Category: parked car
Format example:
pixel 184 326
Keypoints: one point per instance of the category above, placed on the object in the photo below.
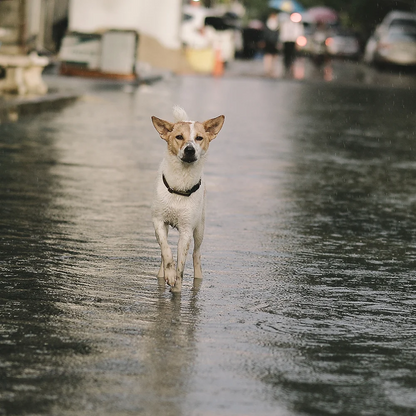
pixel 202 29
pixel 252 37
pixel 394 41
pixel 319 53
pixel 343 43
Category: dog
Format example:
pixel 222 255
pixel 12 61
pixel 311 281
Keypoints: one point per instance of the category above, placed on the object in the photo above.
pixel 179 200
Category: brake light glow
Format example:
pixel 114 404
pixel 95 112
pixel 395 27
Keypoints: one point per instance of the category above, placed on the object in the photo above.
pixel 301 41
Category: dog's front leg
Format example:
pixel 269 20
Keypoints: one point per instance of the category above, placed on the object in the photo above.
pixel 185 237
pixel 168 265
pixel 198 237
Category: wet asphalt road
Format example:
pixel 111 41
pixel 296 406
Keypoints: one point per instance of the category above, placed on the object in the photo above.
pixel 308 302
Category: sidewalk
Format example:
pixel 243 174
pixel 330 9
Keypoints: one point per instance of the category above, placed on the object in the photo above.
pixel 62 90
pixel 13 106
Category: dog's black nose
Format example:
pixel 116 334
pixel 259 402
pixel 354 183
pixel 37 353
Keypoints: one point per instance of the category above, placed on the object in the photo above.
pixel 189 150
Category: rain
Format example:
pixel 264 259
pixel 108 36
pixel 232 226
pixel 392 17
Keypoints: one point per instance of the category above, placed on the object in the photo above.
pixel 306 306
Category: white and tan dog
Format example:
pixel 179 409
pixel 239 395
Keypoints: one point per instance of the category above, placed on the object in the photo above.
pixel 180 191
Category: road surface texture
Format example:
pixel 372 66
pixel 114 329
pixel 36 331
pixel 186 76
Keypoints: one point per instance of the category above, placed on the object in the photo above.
pixel 309 297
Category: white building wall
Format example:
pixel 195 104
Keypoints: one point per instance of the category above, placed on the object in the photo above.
pixel 160 19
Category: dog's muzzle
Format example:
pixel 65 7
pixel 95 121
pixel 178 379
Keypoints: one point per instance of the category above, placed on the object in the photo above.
pixel 189 154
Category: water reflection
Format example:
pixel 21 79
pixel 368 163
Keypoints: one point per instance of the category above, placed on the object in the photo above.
pixel 336 71
pixel 307 306
pixel 304 69
pixel 32 338
pixel 170 352
pixel 342 342
pixel 85 325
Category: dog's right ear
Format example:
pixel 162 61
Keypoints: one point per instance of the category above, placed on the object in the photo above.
pixel 163 127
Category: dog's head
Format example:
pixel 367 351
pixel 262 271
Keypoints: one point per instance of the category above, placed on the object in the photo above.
pixel 188 140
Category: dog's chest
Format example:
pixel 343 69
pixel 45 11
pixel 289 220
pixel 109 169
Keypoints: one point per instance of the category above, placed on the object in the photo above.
pixel 177 210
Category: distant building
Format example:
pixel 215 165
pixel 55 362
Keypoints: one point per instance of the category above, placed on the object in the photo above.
pixel 27 25
pixel 156 22
pixel 40 25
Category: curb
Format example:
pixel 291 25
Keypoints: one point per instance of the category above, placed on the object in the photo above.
pixel 11 110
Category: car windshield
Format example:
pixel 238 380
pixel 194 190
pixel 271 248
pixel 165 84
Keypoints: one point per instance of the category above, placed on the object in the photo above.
pixel 344 35
pixel 408 25
pixel 396 35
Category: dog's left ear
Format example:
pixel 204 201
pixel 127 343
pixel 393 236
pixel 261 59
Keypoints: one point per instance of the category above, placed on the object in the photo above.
pixel 163 127
pixel 213 126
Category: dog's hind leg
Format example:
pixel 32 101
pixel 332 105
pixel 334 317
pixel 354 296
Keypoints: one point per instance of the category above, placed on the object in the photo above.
pixel 198 237
pixel 167 268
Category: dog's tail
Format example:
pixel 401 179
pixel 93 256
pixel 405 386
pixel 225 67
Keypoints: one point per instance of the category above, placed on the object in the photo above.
pixel 180 114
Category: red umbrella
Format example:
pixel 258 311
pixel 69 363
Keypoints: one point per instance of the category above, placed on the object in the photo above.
pixel 321 14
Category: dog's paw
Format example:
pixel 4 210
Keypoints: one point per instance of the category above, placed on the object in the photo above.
pixel 178 286
pixel 170 277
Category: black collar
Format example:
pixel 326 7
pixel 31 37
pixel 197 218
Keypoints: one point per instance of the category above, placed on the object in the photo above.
pixel 189 192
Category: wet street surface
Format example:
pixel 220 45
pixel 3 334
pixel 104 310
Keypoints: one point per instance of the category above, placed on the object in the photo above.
pixel 308 301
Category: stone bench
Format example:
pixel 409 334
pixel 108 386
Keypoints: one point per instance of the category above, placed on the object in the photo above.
pixel 23 74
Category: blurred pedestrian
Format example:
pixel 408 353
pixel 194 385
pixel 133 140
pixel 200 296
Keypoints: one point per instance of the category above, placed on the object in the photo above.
pixel 319 37
pixel 270 42
pixel 291 28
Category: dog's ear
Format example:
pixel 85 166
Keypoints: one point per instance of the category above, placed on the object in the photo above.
pixel 213 126
pixel 163 127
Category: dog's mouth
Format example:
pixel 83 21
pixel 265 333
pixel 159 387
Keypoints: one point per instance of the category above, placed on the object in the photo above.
pixel 189 159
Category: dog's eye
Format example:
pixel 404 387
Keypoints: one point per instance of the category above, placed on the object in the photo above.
pixel 199 138
pixel 179 137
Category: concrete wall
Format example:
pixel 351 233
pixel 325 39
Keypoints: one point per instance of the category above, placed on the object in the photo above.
pixel 157 55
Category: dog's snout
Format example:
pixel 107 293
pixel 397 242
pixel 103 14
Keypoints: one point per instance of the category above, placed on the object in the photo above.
pixel 189 150
pixel 189 153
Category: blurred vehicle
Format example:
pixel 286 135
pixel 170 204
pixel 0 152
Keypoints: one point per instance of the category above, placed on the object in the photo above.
pixel 232 21
pixel 319 51
pixel 252 37
pixel 192 30
pixel 304 42
pixel 343 43
pixel 202 29
pixel 394 41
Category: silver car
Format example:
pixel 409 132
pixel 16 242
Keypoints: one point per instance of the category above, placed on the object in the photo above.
pixel 343 44
pixel 394 41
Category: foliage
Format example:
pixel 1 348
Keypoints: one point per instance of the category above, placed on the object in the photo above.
pixel 256 9
pixel 363 15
